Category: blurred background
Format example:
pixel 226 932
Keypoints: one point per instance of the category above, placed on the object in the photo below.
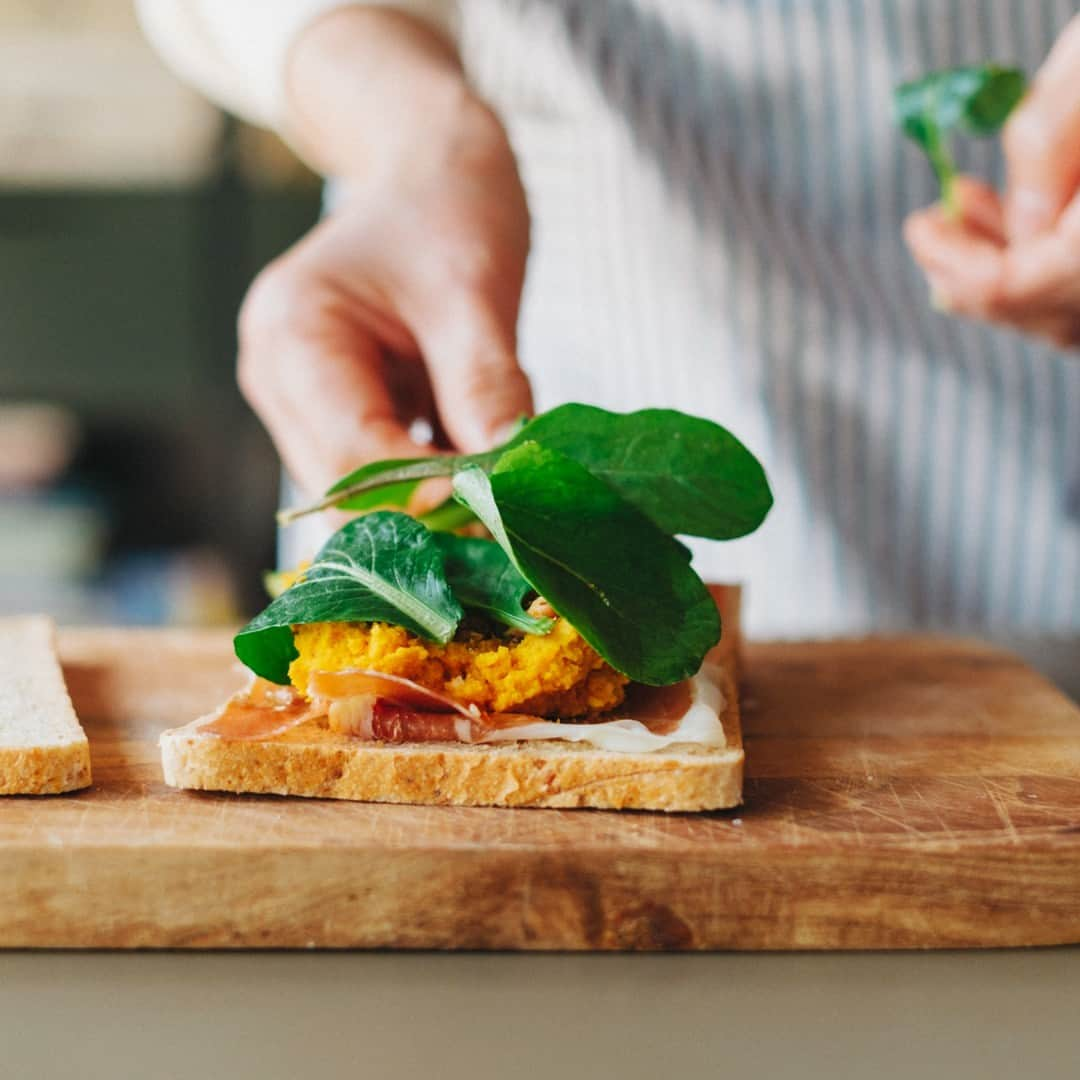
pixel 135 485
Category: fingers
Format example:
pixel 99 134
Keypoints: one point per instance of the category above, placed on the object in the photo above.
pixel 316 379
pixel 980 216
pixel 1062 330
pixel 480 389
pixel 961 264
pixel 1018 262
pixel 1042 142
pixel 429 494
pixel 980 208
pixel 1034 287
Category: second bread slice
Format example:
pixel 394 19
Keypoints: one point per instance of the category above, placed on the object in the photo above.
pixel 43 749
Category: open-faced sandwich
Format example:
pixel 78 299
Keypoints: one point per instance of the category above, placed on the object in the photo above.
pixel 570 657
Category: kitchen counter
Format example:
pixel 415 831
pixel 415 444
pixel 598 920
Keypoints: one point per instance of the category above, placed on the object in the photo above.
pixel 385 1016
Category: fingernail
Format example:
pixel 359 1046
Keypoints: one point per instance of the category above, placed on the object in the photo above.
pixel 1029 214
pixel 505 432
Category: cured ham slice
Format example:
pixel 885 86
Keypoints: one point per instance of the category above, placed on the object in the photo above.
pixel 360 682
pixel 369 705
pixel 383 708
pixel 392 723
pixel 261 711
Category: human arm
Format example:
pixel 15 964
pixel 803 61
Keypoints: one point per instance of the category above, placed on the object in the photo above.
pixel 403 303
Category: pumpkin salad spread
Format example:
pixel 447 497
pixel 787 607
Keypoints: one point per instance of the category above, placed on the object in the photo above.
pixel 554 674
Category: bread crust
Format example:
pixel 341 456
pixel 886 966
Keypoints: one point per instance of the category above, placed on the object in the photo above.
pixel 314 762
pixel 44 770
pixel 47 752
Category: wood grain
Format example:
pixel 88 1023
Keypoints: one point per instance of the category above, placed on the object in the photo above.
pixel 901 793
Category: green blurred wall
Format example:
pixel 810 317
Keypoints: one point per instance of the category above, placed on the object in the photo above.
pixel 123 306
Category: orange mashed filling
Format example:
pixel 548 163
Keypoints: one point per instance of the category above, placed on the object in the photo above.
pixel 557 674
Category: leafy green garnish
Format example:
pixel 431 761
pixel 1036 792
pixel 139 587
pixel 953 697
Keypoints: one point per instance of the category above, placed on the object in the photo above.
pixel 585 507
pixel 687 474
pixel 364 488
pixel 973 100
pixel 484 579
pixel 382 567
pixel 624 584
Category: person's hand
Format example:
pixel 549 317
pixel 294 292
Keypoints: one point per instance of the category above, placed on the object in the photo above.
pixel 1016 260
pixel 402 305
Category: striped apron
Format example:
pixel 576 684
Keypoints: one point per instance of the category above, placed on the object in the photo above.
pixel 718 191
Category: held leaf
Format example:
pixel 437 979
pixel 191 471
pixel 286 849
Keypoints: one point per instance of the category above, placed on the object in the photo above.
pixel 688 475
pixel 384 482
pixel 623 584
pixel 391 482
pixel 382 567
pixel 483 578
pixel 975 100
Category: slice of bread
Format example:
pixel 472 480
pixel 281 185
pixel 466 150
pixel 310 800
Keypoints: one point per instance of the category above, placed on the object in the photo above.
pixel 43 750
pixel 312 760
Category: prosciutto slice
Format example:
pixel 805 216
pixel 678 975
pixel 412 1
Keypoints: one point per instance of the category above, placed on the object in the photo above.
pixel 391 723
pixel 383 708
pixel 361 682
pixel 260 712
pixel 388 708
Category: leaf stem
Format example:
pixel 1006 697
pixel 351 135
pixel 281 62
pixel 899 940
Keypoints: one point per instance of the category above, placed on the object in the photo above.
pixel 295 513
pixel 945 169
pixel 421 469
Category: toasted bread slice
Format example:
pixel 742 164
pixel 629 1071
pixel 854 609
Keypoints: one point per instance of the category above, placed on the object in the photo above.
pixel 43 750
pixel 312 760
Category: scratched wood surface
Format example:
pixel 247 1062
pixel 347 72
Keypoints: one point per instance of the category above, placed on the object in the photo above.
pixel 901 793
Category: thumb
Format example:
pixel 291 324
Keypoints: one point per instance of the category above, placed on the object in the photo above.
pixel 480 389
pixel 1042 142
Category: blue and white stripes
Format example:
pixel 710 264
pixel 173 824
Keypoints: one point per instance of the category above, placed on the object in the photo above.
pixel 718 194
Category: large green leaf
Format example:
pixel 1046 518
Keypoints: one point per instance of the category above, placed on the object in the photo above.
pixel 382 567
pixel 688 475
pixel 483 578
pixel 623 583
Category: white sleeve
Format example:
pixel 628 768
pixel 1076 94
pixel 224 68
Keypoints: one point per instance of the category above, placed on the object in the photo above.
pixel 235 51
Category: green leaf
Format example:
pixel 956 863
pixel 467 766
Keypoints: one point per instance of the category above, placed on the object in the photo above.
pixel 688 475
pixel 381 482
pixel 382 567
pixel 974 100
pixel 600 562
pixel 483 578
pixel 391 482
pixel 382 497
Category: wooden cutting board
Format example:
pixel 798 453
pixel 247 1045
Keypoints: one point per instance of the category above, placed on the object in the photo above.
pixel 901 793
